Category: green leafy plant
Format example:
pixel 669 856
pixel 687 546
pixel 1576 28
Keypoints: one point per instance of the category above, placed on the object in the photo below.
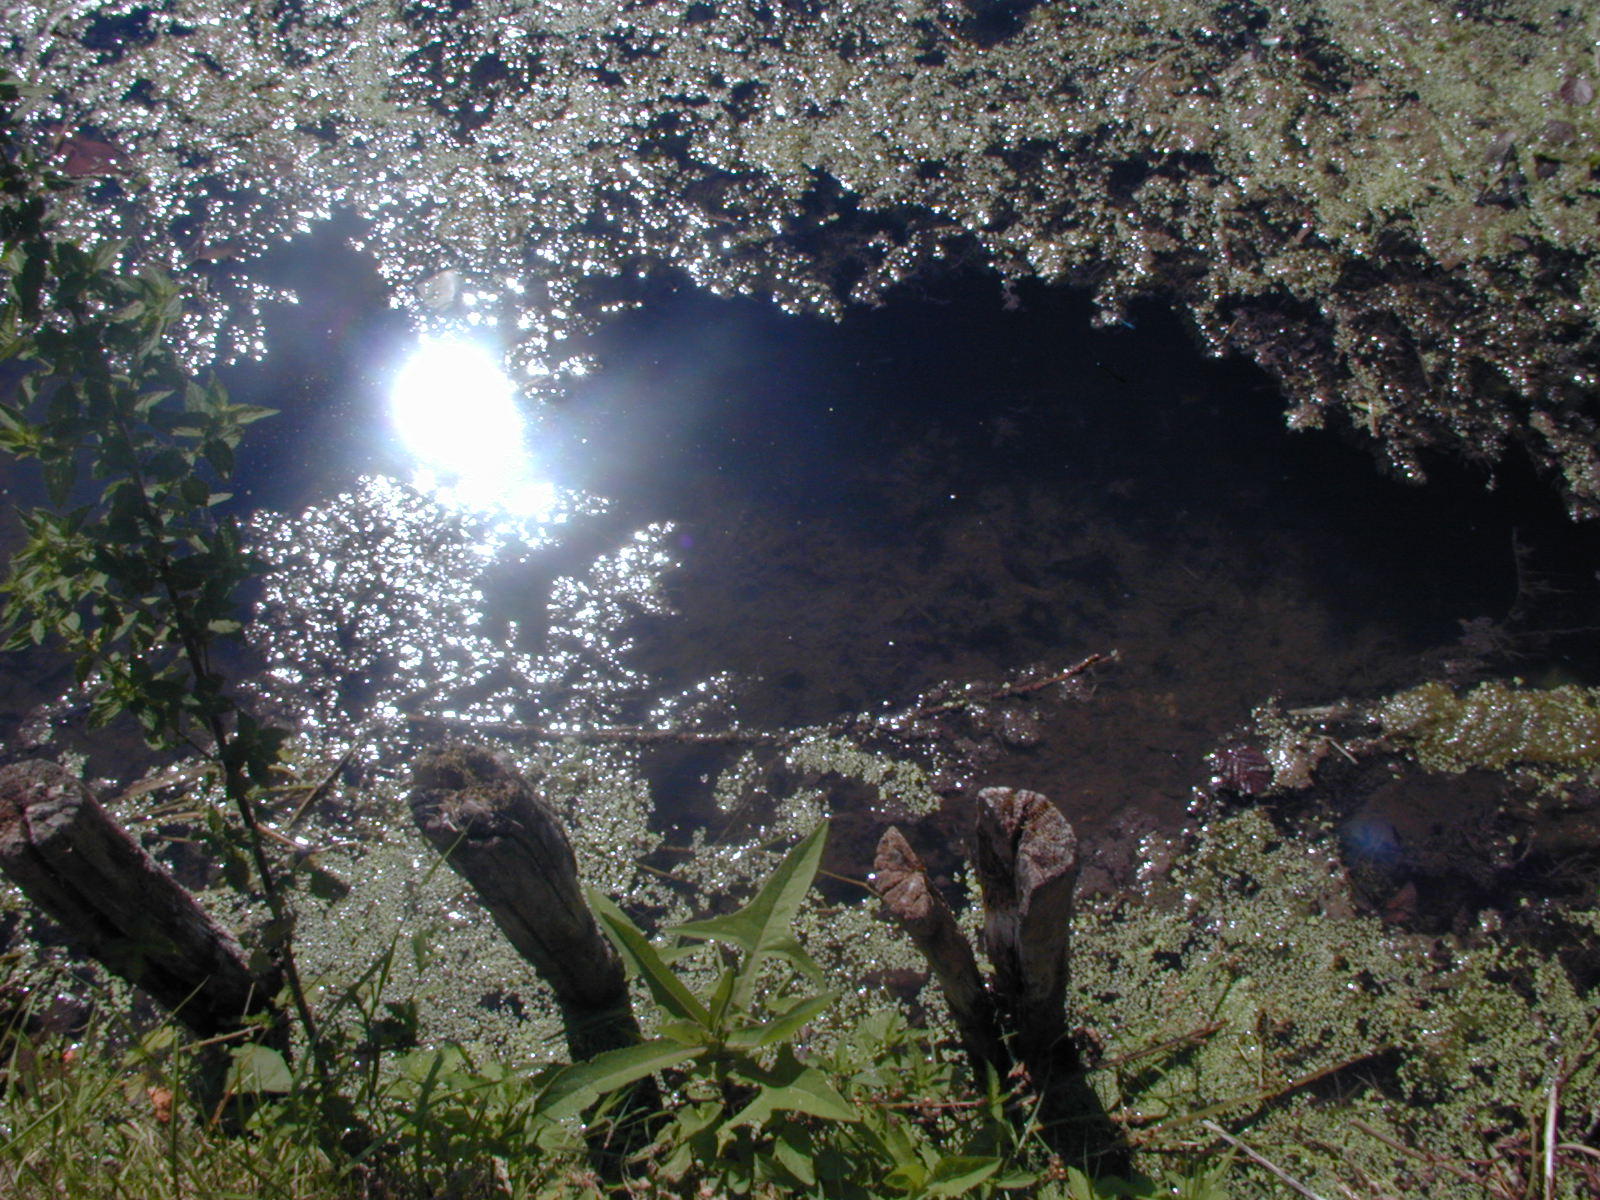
pixel 134 569
pixel 739 1105
pixel 750 1112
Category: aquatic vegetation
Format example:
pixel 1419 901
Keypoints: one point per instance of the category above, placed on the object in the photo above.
pixel 1280 1011
pixel 470 988
pixel 752 1110
pixel 1389 207
pixel 1493 725
pixel 1242 986
pixel 1545 740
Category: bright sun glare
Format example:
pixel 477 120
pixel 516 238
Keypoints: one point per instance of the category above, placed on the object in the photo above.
pixel 455 411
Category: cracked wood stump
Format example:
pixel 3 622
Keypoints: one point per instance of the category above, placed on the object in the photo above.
pixel 902 882
pixel 503 839
pixel 120 906
pixel 1027 867
pixel 1026 860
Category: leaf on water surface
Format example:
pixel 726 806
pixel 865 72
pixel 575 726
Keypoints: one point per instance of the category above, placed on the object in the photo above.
pixel 259 1069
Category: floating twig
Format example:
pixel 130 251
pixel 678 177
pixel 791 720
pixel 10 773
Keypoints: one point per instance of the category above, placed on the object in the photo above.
pixel 892 725
pixel 1261 1160
pixel 1257 1099
pixel 320 790
pixel 176 778
pixel 1432 1160
pixel 1008 691
pixel 1199 1034
pixel 610 734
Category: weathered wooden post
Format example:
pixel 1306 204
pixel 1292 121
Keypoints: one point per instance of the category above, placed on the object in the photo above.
pixel 1027 866
pixel 495 831
pixel 504 840
pixel 902 882
pixel 121 907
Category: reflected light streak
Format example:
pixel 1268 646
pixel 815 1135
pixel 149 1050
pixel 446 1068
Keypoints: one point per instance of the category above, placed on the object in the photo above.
pixel 455 412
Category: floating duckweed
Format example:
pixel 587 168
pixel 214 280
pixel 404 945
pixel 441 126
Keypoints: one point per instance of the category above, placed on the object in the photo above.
pixel 1262 996
pixel 1544 740
pixel 604 799
pixel 1494 725
pixel 1388 206
pixel 1284 1008
pixel 471 987
pixel 902 785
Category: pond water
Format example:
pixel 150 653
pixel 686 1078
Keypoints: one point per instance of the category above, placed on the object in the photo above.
pixel 962 486
pixel 728 570
pixel 747 520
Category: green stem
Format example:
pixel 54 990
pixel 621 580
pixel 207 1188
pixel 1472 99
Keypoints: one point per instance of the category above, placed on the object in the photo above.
pixel 193 640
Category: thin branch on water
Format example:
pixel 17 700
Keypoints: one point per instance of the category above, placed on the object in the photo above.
pixel 1432 1160
pixel 1263 1097
pixel 1199 1034
pixel 321 789
pixel 1261 1160
pixel 894 724
pixel 1010 690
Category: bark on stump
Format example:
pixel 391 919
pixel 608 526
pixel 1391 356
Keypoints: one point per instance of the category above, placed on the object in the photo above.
pixel 504 840
pixel 120 906
pixel 1026 861
pixel 902 882
pixel 1027 867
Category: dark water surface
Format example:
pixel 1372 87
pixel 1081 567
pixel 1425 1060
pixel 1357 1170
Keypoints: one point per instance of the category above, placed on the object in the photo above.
pixel 957 487
pixel 960 485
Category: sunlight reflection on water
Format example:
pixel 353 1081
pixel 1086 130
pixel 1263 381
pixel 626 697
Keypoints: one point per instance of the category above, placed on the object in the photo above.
pixel 455 412
pixel 373 613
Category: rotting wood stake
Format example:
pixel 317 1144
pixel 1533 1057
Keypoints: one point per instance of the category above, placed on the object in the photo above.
pixel 120 906
pixel 900 879
pixel 1026 862
pixel 495 831
pixel 1027 867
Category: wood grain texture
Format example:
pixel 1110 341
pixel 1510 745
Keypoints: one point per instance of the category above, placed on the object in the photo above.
pixel 1027 867
pixel 121 907
pixel 499 835
pixel 902 883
